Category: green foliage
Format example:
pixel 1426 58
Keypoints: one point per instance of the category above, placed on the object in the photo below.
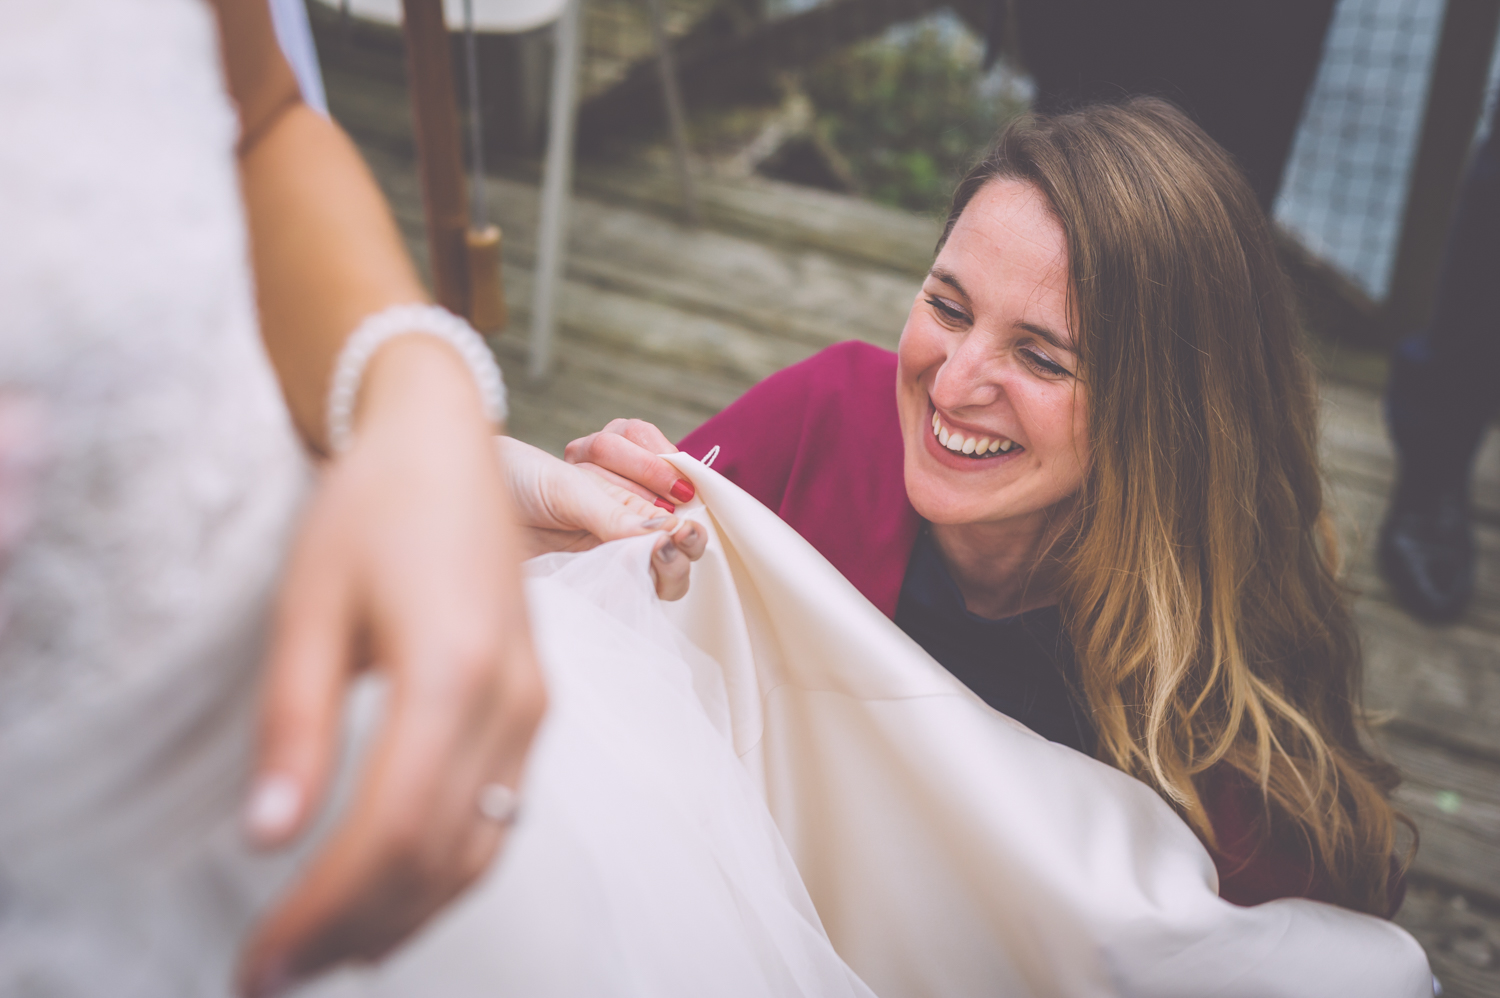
pixel 909 112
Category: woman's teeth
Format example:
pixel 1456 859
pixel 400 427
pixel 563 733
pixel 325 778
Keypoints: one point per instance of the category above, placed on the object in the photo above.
pixel 972 446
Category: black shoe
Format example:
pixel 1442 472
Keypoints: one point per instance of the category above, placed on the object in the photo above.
pixel 1427 552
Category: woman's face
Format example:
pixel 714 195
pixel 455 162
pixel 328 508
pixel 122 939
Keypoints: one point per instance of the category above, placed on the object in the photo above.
pixel 992 417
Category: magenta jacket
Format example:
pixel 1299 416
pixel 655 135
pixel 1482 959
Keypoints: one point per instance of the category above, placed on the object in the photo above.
pixel 820 444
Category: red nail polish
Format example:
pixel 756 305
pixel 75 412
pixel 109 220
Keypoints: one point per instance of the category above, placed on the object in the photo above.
pixel 666 505
pixel 682 490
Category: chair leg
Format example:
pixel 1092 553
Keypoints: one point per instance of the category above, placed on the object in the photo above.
pixel 556 186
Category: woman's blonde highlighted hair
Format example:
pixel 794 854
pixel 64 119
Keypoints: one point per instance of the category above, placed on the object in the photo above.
pixel 1209 627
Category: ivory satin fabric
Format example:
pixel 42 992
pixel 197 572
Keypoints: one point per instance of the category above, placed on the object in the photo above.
pixel 768 789
pixel 949 850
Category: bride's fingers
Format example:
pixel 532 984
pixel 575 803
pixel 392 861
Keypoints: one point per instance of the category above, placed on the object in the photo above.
pixel 306 672
pixel 691 539
pixel 672 560
pixel 671 569
pixel 416 832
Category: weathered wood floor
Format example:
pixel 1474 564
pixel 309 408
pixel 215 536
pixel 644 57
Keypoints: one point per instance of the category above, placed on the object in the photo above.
pixel 670 324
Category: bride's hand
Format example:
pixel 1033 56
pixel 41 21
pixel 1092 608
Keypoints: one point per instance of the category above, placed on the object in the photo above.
pixel 624 454
pixel 407 562
pixel 561 508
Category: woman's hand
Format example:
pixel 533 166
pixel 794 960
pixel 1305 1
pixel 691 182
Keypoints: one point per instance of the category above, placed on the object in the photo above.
pixel 407 562
pixel 624 454
pixel 562 508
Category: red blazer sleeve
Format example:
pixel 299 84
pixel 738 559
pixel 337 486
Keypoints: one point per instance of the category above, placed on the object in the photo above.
pixel 820 444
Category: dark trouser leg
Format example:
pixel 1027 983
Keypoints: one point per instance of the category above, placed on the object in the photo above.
pixel 1445 381
pixel 1444 387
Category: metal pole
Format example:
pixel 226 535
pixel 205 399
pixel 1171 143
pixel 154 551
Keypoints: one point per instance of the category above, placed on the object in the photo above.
pixel 556 184
pixel 675 116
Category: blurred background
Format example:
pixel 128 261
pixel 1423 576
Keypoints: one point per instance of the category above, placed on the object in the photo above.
pixel 798 201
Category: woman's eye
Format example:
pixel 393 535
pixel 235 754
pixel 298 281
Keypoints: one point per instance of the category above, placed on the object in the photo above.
pixel 950 313
pixel 1046 367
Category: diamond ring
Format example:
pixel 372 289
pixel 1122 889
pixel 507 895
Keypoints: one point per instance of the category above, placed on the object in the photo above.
pixel 499 803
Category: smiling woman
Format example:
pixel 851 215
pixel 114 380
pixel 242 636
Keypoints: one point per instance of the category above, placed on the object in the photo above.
pixel 992 416
pixel 1093 494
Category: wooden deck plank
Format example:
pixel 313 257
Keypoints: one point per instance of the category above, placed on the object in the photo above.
pixel 668 334
pixel 790 302
pixel 1447 687
pixel 1455 800
pixel 699 394
pixel 589 388
pixel 1461 940
pixel 783 214
pixel 788 291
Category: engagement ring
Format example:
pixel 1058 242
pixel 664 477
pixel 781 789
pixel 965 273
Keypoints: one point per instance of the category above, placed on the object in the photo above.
pixel 499 803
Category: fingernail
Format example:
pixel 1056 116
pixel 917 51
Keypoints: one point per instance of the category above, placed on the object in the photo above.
pixel 273 807
pixel 667 552
pixel 664 505
pixel 690 534
pixel 682 490
pixel 656 522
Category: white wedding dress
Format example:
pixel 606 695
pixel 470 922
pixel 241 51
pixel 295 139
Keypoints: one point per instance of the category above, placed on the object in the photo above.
pixel 166 482
pixel 762 790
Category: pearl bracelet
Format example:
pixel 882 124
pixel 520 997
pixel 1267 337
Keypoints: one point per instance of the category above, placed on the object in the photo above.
pixel 398 320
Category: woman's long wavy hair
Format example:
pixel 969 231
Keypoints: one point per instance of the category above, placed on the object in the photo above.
pixel 1209 626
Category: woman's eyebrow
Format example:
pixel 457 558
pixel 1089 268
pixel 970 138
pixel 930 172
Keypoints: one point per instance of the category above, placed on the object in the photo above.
pixel 1040 332
pixel 1043 333
pixel 949 278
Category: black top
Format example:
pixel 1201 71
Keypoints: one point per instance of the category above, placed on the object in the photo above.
pixel 1022 665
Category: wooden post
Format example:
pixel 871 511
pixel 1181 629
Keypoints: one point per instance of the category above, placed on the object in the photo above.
pixel 1454 100
pixel 429 72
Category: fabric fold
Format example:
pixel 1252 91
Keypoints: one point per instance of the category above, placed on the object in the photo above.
pixel 949 850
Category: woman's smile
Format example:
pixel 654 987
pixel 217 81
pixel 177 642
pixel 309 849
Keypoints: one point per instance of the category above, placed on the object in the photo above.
pixel 966 448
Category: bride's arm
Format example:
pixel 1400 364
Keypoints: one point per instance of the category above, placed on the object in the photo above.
pixel 326 250
pixel 407 557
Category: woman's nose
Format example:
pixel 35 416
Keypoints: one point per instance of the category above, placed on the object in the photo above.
pixel 969 376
